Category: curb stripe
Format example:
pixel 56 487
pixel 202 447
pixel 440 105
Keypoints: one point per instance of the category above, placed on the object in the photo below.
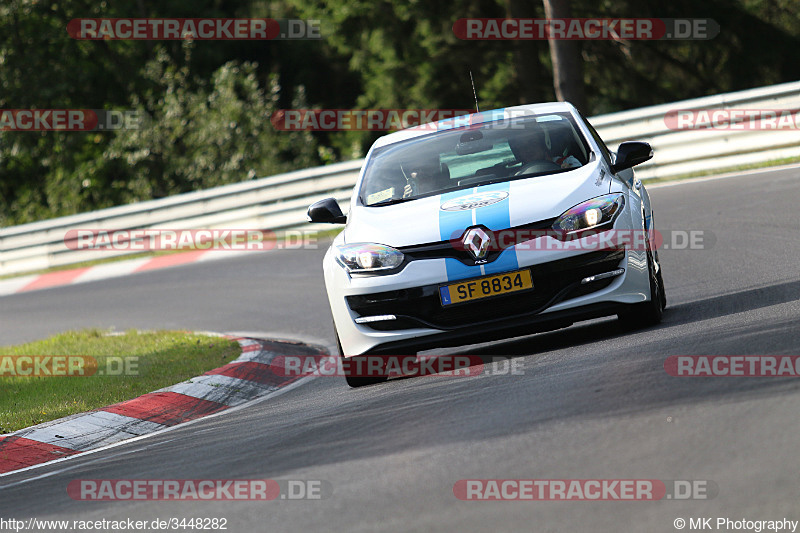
pixel 89 430
pixel 253 371
pixel 116 269
pixel 164 261
pixel 19 452
pixel 247 378
pixel 220 389
pixel 167 408
pixel 54 279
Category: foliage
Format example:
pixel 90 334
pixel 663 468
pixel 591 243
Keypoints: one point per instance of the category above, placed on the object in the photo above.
pixel 205 106
pixel 195 139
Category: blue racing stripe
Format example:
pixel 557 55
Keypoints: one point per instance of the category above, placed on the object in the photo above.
pixel 495 217
pixel 451 225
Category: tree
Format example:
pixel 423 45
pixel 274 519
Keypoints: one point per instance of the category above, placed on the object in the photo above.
pixel 217 133
pixel 209 112
pixel 566 57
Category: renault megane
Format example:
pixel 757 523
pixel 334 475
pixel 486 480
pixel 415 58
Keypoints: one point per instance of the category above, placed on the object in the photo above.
pixel 487 226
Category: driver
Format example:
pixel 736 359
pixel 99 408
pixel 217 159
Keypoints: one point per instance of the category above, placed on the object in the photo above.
pixel 559 140
pixel 531 148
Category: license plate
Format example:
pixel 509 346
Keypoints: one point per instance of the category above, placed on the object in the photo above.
pixel 519 280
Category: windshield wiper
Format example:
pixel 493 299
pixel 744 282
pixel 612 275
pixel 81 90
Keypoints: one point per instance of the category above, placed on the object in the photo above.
pixel 392 201
pixel 540 173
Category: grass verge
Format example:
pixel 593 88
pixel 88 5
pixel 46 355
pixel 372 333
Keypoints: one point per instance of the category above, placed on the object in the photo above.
pixel 132 363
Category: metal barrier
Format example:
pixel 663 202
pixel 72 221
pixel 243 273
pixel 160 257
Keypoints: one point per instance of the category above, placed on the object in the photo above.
pixel 280 202
pixel 690 151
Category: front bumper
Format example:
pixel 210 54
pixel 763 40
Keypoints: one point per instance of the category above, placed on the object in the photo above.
pixel 553 282
pixel 558 299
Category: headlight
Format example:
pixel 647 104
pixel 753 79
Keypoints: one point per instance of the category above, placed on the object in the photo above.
pixel 365 257
pixel 599 211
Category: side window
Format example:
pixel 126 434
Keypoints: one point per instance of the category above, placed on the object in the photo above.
pixel 599 141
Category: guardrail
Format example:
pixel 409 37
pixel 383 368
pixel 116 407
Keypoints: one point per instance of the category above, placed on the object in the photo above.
pixel 680 152
pixel 280 202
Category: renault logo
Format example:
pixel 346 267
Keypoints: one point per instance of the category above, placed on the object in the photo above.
pixel 477 241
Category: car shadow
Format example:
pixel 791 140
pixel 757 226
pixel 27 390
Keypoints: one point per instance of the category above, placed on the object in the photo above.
pixel 609 328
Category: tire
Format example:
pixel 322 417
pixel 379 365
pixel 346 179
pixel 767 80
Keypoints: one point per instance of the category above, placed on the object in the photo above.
pixel 356 381
pixel 661 284
pixel 651 312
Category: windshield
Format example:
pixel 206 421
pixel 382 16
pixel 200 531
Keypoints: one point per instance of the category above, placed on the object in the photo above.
pixel 470 157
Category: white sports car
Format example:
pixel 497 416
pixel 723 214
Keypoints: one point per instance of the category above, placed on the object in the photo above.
pixel 492 225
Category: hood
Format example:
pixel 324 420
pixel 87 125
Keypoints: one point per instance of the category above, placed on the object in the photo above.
pixel 497 206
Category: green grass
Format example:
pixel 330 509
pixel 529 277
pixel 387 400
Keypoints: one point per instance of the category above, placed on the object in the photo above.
pixel 162 358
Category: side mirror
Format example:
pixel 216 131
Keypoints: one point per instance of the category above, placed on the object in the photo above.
pixel 630 154
pixel 327 211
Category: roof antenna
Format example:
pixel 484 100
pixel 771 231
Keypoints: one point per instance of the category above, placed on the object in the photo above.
pixel 473 92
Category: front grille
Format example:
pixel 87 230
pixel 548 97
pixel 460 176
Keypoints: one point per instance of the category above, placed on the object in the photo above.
pixel 455 249
pixel 552 282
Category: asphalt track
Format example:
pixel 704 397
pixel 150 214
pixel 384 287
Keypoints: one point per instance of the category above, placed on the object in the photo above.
pixel 594 401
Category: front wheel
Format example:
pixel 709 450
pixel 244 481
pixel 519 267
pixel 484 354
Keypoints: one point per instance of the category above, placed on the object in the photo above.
pixel 648 313
pixel 356 381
